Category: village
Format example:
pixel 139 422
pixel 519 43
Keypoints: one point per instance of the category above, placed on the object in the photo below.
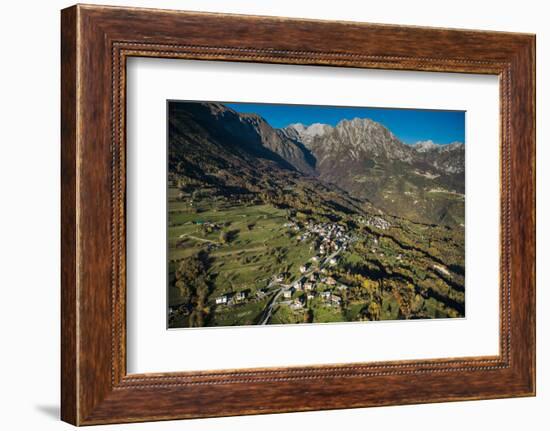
pixel 314 282
pixel 311 272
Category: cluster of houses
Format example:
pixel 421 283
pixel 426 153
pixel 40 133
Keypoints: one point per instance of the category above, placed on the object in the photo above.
pixel 208 226
pixel 292 225
pixel 310 286
pixel 280 277
pixel 332 236
pixel 327 296
pixel 375 221
pixel 232 298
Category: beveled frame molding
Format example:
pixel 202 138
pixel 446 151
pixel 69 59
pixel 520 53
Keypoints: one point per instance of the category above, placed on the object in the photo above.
pixel 96 41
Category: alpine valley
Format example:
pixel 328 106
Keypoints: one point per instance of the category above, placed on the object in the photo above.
pixel 309 224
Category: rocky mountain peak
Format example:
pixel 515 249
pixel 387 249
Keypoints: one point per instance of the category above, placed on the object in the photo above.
pixel 298 127
pixel 306 134
pixel 363 138
pixel 241 133
pixel 449 158
pixel 424 146
pixel 431 146
pixel 453 146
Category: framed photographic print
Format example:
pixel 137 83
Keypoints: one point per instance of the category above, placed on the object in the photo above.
pixel 274 222
pixel 269 215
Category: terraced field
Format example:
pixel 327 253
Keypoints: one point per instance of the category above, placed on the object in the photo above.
pixel 399 270
pixel 258 247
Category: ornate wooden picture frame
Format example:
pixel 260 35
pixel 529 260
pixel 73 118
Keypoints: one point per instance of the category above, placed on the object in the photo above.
pixel 96 41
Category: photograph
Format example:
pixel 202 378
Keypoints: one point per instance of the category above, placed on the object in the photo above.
pixel 295 214
pixel 275 215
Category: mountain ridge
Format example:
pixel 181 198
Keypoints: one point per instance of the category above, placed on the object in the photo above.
pixel 359 155
pixel 421 182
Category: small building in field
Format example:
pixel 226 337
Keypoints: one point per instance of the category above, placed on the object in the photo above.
pixel 287 293
pixel 308 286
pixel 240 296
pixel 331 281
pixel 221 300
pixel 326 295
pixel 296 304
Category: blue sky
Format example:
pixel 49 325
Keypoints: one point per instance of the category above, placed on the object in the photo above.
pixel 409 125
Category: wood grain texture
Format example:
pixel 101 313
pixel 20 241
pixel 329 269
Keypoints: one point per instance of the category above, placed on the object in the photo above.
pixel 96 41
pixel 69 397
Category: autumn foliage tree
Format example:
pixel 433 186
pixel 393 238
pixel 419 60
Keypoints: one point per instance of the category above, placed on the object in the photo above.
pixel 193 284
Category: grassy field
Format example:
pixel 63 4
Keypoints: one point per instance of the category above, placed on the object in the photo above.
pixel 385 274
pixel 243 314
pixel 285 315
pixel 259 246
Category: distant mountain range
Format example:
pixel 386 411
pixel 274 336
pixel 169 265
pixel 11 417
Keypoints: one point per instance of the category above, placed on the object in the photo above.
pixel 422 182
pixel 359 139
